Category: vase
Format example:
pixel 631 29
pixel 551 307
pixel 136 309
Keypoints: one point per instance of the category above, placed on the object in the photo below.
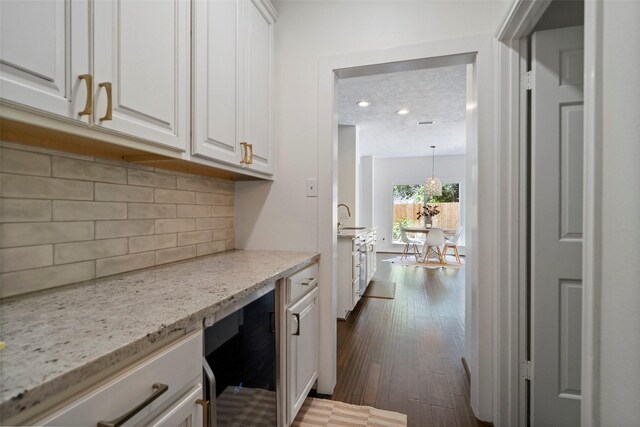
pixel 427 222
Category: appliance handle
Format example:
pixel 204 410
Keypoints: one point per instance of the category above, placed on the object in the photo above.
pixel 297 317
pixel 208 372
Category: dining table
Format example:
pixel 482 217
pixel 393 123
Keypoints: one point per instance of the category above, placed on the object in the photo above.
pixel 425 230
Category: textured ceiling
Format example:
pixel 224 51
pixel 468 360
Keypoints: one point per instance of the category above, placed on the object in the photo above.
pixel 437 94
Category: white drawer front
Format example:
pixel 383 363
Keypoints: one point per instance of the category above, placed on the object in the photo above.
pixel 175 367
pixel 301 282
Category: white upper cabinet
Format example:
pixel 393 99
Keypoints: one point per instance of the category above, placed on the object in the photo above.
pixel 232 91
pixel 159 76
pixel 258 127
pixel 216 68
pixel 141 57
pixel 42 57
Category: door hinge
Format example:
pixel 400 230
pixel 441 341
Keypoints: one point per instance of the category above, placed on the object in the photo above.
pixel 526 370
pixel 527 80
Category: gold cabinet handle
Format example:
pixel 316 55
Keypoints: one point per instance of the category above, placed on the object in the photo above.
pixel 88 106
pixel 206 413
pixel 107 115
pixel 244 160
pixel 250 161
pixel 158 388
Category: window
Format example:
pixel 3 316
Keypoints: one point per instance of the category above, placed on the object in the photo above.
pixel 409 198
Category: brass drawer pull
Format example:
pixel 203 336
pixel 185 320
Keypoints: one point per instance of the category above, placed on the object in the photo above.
pixel 108 114
pixel 310 282
pixel 158 388
pixel 250 161
pixel 244 160
pixel 88 106
pixel 206 413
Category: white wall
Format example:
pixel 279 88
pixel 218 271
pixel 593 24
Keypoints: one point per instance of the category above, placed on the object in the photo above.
pixel 347 162
pixel 275 215
pixel 620 305
pixel 278 215
pixel 365 191
pixel 409 170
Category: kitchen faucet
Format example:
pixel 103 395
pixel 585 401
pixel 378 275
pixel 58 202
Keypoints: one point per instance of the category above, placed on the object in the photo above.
pixel 348 213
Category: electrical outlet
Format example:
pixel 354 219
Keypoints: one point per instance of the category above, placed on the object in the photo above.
pixel 312 187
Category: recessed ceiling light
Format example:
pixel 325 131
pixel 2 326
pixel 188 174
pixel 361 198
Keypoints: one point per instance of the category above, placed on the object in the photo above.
pixel 403 111
pixel 426 122
pixel 363 103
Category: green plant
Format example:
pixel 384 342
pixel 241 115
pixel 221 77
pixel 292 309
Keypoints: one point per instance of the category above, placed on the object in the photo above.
pixel 398 225
pixel 450 193
pixel 408 193
pixel 428 211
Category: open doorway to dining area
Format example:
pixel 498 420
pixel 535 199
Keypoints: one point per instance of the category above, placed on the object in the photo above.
pixel 402 193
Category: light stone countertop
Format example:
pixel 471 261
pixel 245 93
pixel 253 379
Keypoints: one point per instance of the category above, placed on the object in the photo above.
pixel 350 234
pixel 61 337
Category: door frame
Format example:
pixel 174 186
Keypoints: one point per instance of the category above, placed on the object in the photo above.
pixel 517 24
pixel 482 266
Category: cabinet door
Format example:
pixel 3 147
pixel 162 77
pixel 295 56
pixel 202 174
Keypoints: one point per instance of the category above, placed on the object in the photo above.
pixel 186 412
pixel 44 47
pixel 355 292
pixel 142 49
pixel 258 128
pixel 216 91
pixel 302 351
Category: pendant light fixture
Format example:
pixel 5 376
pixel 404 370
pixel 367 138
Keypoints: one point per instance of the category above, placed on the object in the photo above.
pixel 433 186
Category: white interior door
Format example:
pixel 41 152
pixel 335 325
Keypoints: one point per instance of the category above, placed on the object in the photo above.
pixel 142 49
pixel 556 225
pixel 44 47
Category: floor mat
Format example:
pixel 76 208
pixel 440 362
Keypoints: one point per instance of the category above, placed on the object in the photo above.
pixel 432 263
pixel 381 289
pixel 322 412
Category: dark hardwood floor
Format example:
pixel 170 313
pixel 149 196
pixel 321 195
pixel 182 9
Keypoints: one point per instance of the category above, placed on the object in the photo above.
pixel 404 354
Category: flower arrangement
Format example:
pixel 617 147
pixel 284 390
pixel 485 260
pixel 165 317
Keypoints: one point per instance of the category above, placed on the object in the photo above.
pixel 428 211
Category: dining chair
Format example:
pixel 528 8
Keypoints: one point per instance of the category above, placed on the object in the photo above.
pixel 452 243
pixel 409 244
pixel 433 243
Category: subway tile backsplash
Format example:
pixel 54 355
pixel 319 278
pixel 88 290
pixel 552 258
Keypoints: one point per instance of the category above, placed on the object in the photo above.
pixel 66 218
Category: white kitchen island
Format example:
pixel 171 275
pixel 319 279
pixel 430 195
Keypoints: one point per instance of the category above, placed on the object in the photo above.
pixel 356 265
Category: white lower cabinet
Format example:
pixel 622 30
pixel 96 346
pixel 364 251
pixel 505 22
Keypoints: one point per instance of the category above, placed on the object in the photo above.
pixel 300 342
pixel 348 275
pixel 186 412
pixel 163 389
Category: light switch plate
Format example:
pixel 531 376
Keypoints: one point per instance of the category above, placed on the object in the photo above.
pixel 312 187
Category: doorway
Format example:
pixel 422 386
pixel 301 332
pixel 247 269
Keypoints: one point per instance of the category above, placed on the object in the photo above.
pixel 480 346
pixel 403 352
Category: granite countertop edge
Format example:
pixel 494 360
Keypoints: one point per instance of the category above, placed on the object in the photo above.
pixel 352 234
pixel 12 406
